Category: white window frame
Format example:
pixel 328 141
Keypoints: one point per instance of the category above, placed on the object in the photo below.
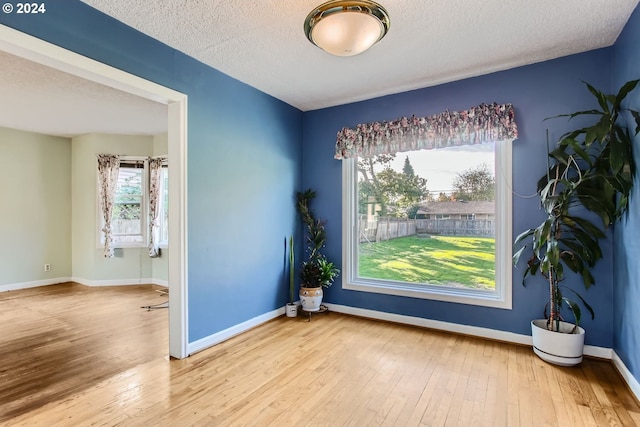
pixel 163 243
pixel 144 209
pixel 500 298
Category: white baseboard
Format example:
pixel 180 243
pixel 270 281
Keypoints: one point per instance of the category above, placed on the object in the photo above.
pixel 631 381
pixel 476 331
pixel 159 282
pixel 47 282
pixel 435 324
pixel 34 284
pixel 599 352
pixel 120 282
pixel 224 335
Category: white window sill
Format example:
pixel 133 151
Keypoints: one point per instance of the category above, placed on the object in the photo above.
pixel 431 292
pixel 124 246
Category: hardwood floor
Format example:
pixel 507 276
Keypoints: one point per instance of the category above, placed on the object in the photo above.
pixel 78 356
pixel 59 340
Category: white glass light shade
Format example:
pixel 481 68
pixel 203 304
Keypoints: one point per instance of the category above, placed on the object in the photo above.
pixel 347 33
pixel 346 28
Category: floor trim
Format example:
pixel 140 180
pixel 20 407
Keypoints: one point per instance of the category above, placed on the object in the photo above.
pixel 626 374
pixel 476 331
pixel 231 332
pixel 33 284
pixel 81 281
pixel 119 282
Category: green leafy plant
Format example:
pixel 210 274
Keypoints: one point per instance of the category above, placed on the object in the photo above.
pixel 316 271
pixel 319 272
pixel 593 172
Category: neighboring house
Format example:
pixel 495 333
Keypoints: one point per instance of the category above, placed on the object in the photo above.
pixel 474 210
pixel 459 218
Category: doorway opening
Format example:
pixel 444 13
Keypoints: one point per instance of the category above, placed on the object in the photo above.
pixel 41 52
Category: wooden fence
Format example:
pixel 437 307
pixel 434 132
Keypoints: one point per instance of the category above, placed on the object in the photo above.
pixel 457 227
pixel 392 228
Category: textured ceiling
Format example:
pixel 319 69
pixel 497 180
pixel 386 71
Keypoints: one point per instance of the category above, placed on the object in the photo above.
pixel 49 101
pixel 430 42
pixel 262 44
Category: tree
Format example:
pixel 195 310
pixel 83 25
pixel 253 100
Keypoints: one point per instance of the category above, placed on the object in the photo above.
pixel 412 211
pixel 442 197
pixel 394 192
pixel 369 186
pixel 407 169
pixel 475 184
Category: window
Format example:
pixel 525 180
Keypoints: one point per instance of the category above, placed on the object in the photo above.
pixel 128 220
pixel 130 224
pixel 397 248
pixel 163 217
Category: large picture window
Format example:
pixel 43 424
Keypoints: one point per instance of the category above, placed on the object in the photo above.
pixel 433 224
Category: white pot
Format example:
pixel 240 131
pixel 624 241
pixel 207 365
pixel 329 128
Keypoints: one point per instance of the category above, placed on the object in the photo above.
pixel 291 310
pixel 560 348
pixel 310 298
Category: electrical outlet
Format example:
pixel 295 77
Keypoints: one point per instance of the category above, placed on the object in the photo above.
pixel 47 267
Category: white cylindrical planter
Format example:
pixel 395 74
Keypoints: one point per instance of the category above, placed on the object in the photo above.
pixel 310 298
pixel 560 348
pixel 291 310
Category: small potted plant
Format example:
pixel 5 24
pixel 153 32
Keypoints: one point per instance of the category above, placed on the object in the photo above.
pixel 592 172
pixel 316 272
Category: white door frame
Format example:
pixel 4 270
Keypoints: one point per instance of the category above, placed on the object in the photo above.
pixel 42 52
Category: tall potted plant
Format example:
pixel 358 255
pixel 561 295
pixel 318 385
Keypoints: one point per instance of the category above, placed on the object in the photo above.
pixel 592 172
pixel 291 308
pixel 316 272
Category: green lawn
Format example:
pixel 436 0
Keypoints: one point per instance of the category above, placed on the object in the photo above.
pixel 437 260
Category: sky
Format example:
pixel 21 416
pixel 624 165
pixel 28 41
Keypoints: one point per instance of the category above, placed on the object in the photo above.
pixel 440 167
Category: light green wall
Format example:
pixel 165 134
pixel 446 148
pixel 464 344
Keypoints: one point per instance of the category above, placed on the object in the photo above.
pixel 35 207
pixel 160 266
pixel 160 144
pixel 88 260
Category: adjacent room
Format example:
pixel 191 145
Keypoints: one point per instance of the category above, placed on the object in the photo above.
pixel 215 214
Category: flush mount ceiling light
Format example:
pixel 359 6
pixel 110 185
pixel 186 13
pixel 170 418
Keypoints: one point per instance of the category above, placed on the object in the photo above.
pixel 346 28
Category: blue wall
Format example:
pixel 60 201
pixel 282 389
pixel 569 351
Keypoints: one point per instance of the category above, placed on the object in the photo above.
pixel 246 160
pixel 626 275
pixel 536 91
pixel 244 156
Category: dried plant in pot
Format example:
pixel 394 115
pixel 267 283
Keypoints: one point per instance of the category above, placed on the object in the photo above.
pixel 585 189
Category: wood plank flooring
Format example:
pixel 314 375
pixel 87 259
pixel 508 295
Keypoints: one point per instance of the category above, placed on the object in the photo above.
pixel 77 356
pixel 56 341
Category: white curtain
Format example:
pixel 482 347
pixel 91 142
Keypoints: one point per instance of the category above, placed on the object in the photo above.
pixel 108 168
pixel 155 167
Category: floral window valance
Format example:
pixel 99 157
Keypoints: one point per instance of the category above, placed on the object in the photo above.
pixel 477 125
